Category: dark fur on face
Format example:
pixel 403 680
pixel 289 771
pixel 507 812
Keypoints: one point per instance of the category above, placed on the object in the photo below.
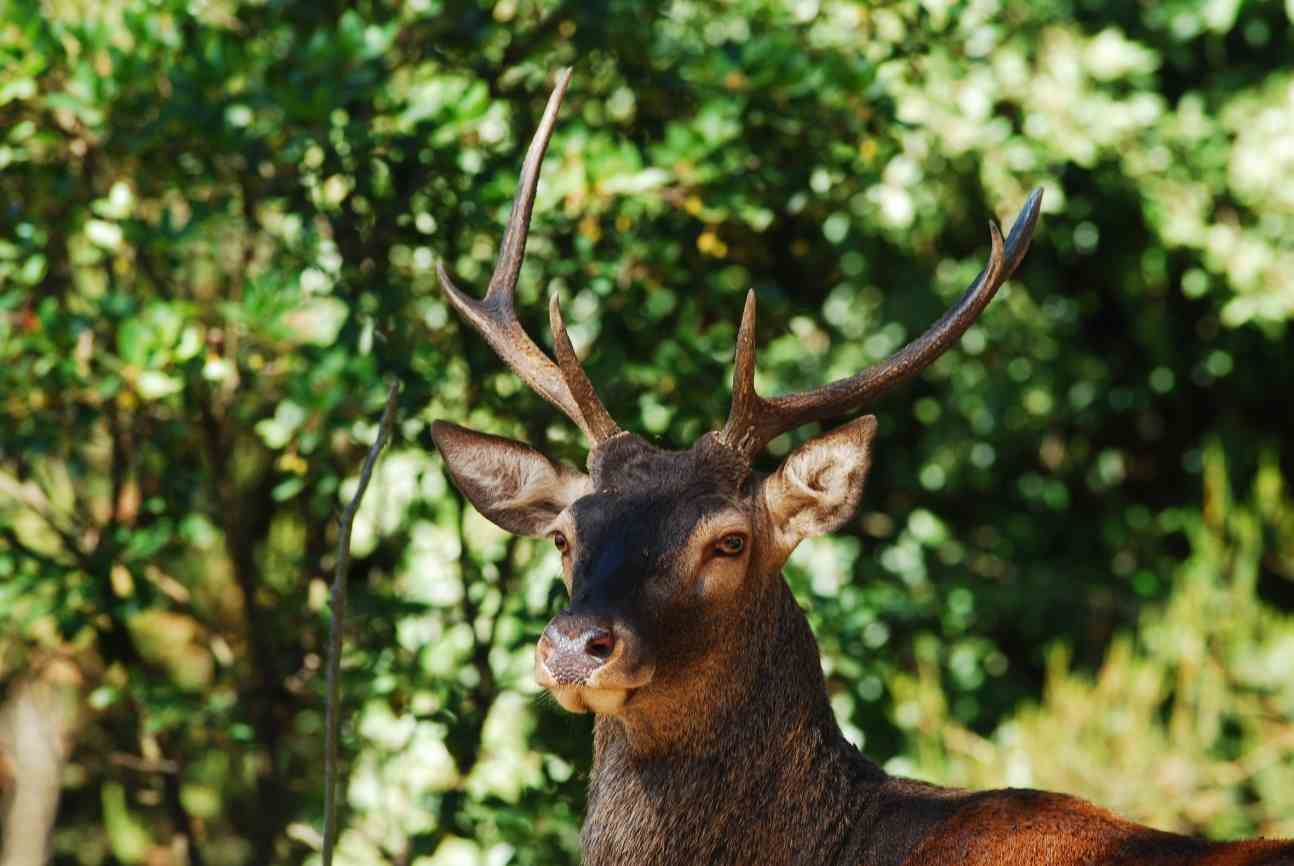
pixel 645 504
pixel 636 572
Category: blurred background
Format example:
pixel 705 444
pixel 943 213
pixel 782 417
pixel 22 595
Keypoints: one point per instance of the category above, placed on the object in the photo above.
pixel 219 219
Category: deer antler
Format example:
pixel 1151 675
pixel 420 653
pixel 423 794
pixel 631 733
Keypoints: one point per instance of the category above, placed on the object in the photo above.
pixel 754 421
pixel 495 317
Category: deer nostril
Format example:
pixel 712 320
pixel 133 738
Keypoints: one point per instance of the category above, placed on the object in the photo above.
pixel 600 644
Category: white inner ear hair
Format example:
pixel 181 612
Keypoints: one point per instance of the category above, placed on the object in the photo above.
pixel 529 483
pixel 824 473
pixel 817 489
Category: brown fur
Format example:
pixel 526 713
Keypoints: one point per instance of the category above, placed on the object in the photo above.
pixel 1005 828
pixel 730 754
pixel 760 775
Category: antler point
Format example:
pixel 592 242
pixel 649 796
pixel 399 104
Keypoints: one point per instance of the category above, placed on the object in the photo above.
pixel 452 292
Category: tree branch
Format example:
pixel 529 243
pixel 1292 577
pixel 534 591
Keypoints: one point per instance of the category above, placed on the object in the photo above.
pixel 338 622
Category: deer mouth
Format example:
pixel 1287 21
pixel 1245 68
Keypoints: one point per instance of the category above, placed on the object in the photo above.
pixel 605 692
pixel 591 696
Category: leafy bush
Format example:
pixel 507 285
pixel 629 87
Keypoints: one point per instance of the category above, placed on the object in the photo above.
pixel 1188 723
pixel 217 240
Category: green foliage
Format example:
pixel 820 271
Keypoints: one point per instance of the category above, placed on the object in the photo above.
pixel 1186 724
pixel 217 237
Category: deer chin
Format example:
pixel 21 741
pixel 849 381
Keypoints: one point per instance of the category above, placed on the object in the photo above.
pixel 586 699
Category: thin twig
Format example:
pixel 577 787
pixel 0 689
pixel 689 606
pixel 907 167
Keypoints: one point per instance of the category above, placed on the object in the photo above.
pixel 143 765
pixel 338 621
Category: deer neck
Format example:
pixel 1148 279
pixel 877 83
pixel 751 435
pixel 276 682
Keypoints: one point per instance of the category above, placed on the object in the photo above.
pixel 767 751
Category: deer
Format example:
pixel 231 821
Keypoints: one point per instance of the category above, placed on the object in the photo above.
pixel 714 741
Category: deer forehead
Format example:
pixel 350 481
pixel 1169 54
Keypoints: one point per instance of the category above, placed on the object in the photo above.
pixel 630 464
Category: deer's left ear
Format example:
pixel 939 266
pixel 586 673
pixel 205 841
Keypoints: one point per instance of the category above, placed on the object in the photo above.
pixel 817 488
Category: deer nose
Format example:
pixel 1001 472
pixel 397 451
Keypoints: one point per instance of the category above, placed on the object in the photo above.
pixel 572 647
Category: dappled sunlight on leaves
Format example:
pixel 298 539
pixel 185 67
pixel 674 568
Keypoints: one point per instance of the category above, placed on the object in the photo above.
pixel 218 241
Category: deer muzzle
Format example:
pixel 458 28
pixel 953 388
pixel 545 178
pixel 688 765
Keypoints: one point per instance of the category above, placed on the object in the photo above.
pixel 590 662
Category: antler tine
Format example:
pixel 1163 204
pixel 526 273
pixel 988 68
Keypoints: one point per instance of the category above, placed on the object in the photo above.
pixel 754 421
pixel 513 247
pixel 746 404
pixel 601 425
pixel 495 317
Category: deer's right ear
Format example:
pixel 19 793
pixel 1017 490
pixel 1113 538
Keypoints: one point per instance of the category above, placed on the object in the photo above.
pixel 512 484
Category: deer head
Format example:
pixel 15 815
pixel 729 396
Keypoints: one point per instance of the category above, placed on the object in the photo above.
pixel 671 558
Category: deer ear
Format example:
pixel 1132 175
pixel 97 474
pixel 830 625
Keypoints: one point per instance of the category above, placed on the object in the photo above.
pixel 512 484
pixel 817 488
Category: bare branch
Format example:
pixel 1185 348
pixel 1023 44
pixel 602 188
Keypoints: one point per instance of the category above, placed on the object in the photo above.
pixel 338 622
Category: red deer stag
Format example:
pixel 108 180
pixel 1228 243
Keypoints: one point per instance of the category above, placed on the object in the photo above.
pixel 714 740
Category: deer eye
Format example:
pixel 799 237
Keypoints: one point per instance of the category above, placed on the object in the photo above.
pixel 560 542
pixel 730 545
